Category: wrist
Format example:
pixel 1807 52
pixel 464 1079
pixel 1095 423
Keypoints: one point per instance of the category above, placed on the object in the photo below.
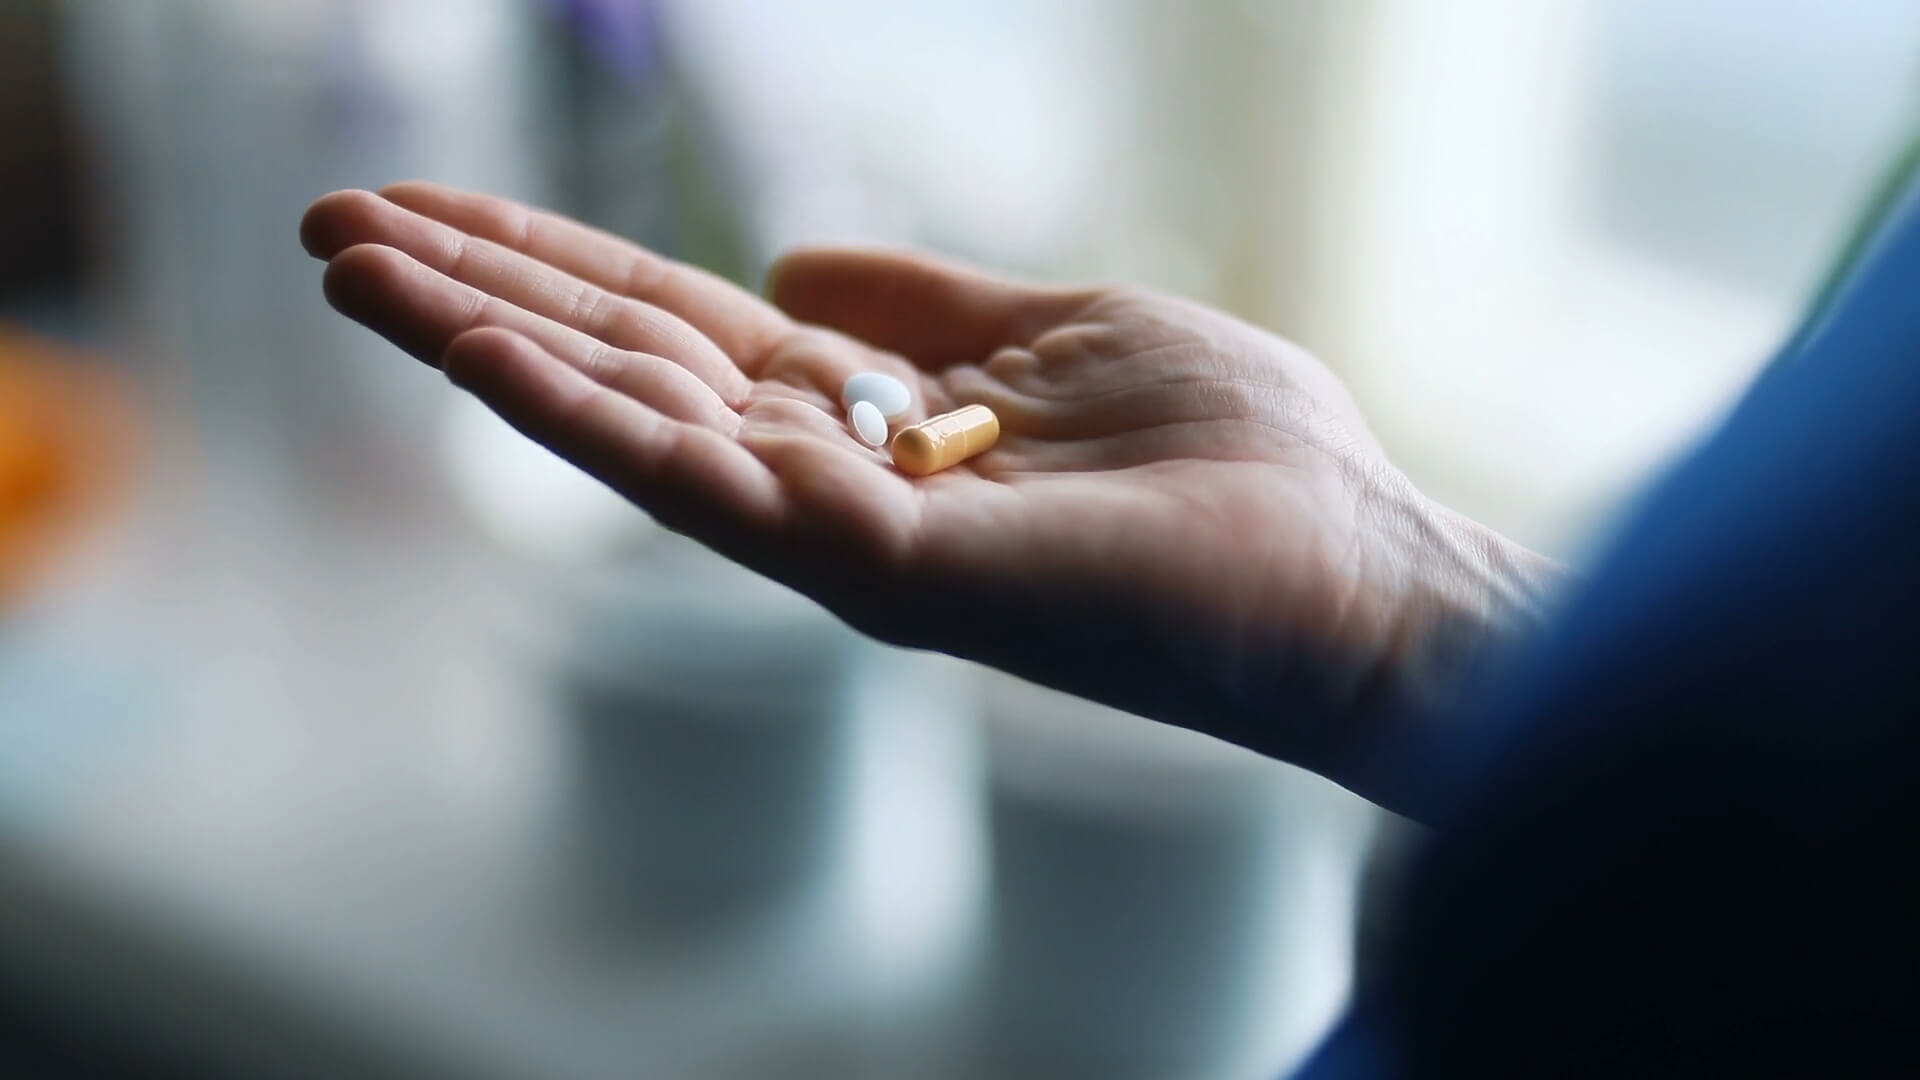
pixel 1456 597
pixel 1473 594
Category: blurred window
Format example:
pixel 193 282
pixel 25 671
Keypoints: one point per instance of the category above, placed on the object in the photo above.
pixel 1588 224
pixel 1546 241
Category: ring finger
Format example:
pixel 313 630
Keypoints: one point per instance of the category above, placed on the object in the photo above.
pixel 422 310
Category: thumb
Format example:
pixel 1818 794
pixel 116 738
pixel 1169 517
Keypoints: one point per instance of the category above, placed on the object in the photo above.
pixel 933 312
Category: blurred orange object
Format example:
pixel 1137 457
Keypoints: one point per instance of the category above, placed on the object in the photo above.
pixel 65 426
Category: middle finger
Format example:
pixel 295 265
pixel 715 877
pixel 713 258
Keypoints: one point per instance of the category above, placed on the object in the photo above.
pixel 422 310
pixel 347 218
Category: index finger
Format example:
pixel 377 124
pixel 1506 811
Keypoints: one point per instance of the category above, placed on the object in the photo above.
pixel 741 323
pixel 689 477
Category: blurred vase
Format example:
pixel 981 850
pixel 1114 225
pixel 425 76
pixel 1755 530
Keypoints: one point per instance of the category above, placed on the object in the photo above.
pixel 1163 904
pixel 712 715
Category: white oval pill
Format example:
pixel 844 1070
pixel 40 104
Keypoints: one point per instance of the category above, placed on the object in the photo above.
pixel 868 423
pixel 887 393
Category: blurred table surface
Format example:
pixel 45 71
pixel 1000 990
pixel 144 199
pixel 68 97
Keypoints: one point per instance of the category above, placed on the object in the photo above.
pixel 314 785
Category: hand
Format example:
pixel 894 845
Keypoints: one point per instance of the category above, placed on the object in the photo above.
pixel 1185 516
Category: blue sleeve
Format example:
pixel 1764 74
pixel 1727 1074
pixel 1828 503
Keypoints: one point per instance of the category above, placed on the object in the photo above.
pixel 1686 845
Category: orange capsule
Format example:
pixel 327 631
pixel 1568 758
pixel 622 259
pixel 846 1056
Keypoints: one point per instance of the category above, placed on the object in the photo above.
pixel 946 440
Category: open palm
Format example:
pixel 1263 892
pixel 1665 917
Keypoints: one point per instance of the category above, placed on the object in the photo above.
pixel 1184 515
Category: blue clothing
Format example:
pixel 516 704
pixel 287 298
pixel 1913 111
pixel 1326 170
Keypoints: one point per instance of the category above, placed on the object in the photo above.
pixel 1684 845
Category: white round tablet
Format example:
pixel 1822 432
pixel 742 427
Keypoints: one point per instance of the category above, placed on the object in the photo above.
pixel 868 423
pixel 887 393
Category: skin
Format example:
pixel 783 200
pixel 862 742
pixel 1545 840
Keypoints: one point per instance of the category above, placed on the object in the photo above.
pixel 1185 516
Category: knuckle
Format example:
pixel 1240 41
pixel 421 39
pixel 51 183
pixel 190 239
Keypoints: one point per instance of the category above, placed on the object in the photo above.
pixel 601 314
pixel 604 364
pixel 1074 343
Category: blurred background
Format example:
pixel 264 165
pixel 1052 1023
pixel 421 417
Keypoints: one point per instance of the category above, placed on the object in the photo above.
pixel 343 734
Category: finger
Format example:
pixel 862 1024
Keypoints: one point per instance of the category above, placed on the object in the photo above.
pixel 849 510
pixel 1140 405
pixel 935 313
pixel 791 415
pixel 1212 439
pixel 422 310
pixel 740 323
pixel 1018 412
pixel 816 364
pixel 692 479
pixel 346 218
